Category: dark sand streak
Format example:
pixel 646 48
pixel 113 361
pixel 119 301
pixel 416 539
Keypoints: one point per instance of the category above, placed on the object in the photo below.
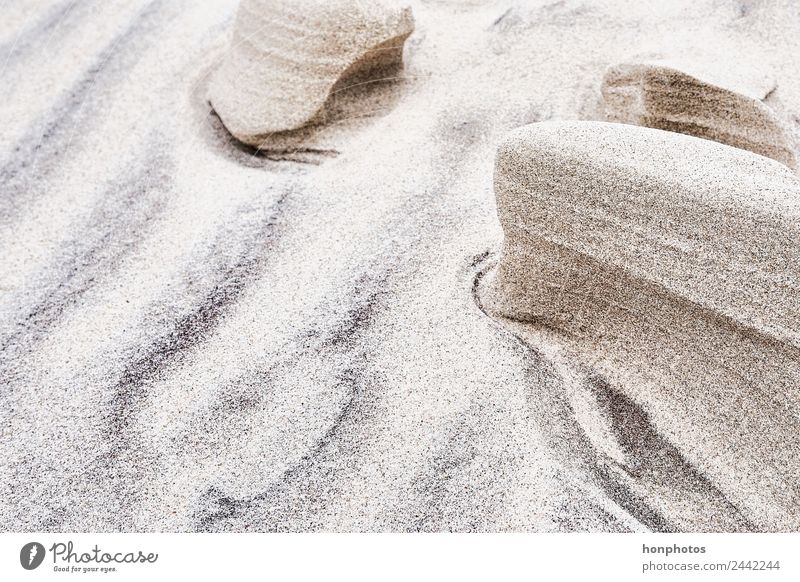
pixel 122 464
pixel 67 123
pixel 59 17
pixel 113 231
pixel 304 489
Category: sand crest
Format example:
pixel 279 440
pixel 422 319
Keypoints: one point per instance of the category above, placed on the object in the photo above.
pixel 673 274
pixel 286 58
pixel 702 97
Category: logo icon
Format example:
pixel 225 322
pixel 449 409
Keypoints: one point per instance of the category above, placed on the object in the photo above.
pixel 31 555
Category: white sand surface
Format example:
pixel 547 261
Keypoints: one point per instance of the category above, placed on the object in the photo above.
pixel 195 335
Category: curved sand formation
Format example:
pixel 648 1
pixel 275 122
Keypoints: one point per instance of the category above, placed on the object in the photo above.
pixel 713 101
pixel 674 264
pixel 288 58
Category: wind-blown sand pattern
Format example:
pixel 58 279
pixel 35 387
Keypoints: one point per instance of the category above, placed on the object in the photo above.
pixel 200 336
pixel 678 273
pixel 288 58
pixel 714 100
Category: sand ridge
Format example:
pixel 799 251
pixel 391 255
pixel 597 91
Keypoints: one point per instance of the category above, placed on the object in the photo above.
pixel 709 100
pixel 287 59
pixel 666 263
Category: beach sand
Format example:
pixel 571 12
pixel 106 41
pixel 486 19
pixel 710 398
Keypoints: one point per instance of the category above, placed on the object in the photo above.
pixel 198 335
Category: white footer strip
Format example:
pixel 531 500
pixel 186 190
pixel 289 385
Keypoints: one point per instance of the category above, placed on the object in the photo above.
pixel 500 557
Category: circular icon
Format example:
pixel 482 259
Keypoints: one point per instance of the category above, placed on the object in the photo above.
pixel 31 555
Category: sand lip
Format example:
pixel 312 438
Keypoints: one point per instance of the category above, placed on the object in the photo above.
pixel 260 89
pixel 712 223
pixel 704 97
pixel 668 265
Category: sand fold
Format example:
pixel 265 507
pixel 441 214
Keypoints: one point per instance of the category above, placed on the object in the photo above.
pixel 673 264
pixel 705 99
pixel 288 58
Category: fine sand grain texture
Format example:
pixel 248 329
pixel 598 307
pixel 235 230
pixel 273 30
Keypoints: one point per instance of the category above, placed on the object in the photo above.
pixel 712 100
pixel 288 58
pixel 677 274
pixel 201 335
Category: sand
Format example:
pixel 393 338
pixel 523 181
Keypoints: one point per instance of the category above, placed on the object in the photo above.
pixel 674 278
pixel 728 104
pixel 199 336
pixel 286 60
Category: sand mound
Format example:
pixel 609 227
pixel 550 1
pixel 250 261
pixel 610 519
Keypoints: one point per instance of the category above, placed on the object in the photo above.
pixel 286 60
pixel 674 272
pixel 707 99
pixel 711 224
